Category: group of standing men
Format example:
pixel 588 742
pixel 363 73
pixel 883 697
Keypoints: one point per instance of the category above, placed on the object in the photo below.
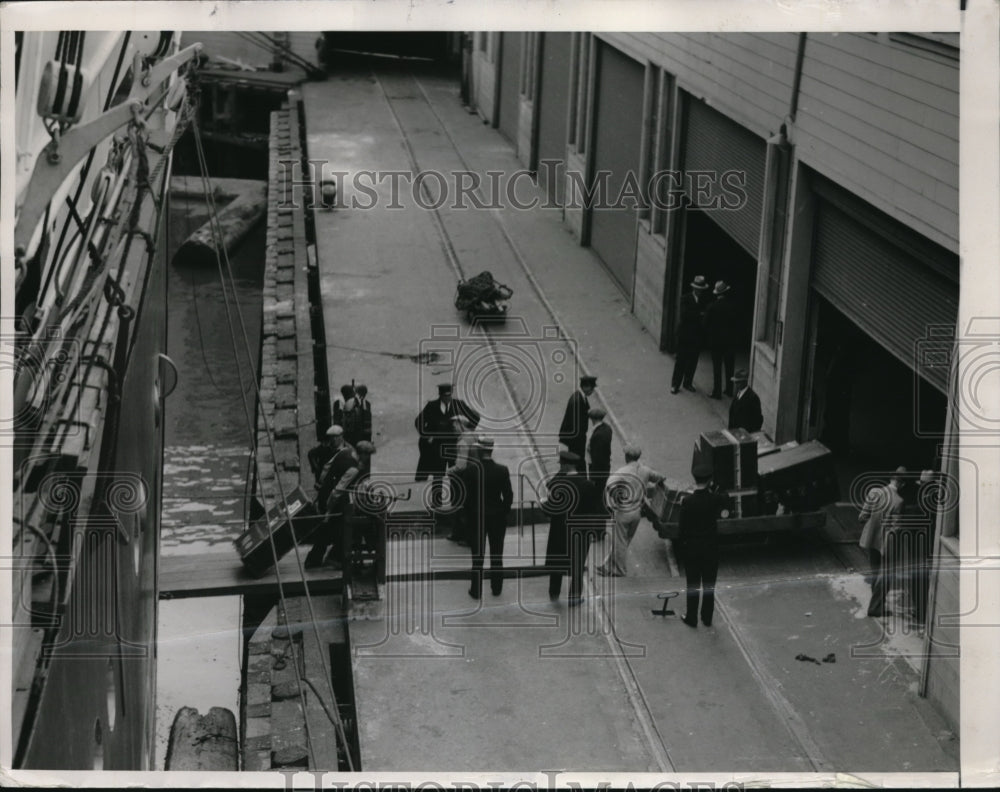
pixel 464 474
pixel 898 520
pixel 582 496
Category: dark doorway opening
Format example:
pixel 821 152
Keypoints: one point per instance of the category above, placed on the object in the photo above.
pixel 710 252
pixel 866 405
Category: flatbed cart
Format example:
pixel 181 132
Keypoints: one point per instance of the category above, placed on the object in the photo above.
pixel 662 508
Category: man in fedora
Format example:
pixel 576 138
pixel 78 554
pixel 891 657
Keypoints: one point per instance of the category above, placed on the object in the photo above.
pixel 720 326
pixel 573 507
pixel 573 430
pixel 690 334
pixel 745 412
pixel 698 539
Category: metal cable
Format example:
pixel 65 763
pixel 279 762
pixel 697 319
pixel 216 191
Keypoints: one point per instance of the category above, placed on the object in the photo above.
pixel 269 434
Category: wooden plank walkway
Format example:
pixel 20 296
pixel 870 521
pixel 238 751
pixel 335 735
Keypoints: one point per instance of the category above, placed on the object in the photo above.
pixel 222 574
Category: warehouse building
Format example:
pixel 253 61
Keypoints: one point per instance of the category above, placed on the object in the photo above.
pixel 818 175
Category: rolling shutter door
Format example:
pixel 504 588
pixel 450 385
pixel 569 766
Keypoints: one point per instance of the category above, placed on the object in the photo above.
pixel 552 109
pixel 888 292
pixel 617 140
pixel 717 144
pixel 510 84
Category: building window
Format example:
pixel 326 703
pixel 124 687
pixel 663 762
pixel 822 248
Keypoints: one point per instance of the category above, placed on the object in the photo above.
pixel 482 40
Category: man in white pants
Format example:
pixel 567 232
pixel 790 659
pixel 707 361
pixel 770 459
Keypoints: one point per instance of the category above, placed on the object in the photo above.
pixel 624 494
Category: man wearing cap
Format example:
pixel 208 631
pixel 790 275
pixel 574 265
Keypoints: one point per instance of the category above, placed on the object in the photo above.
pixel 745 412
pixel 573 430
pixel 319 455
pixel 465 454
pixel 690 335
pixel 438 434
pixel 624 494
pixel 882 505
pixel 698 539
pixel 492 496
pixel 331 494
pixel 575 516
pixel 720 325
pixel 599 449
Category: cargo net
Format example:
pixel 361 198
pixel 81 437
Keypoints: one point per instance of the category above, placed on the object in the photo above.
pixel 482 295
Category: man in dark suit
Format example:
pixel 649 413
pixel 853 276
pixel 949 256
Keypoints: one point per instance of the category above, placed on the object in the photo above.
pixel 720 327
pixel 573 430
pixel 491 496
pixel 698 539
pixel 332 497
pixel 574 510
pixel 690 335
pixel 744 412
pixel 599 449
pixel 438 435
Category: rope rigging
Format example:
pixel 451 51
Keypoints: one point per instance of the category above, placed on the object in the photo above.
pixel 73 313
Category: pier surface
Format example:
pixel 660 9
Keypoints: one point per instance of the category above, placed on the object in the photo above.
pixel 516 681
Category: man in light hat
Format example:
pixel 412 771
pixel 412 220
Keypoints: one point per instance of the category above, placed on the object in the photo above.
pixel 575 517
pixel 492 497
pixel 690 335
pixel 624 494
pixel 573 430
pixel 698 540
pixel 720 325
pixel 599 449
pixel 320 454
pixel 745 412
pixel 882 505
pixel 438 435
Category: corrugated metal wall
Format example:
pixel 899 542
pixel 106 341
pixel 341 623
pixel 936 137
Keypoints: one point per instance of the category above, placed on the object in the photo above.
pixel 717 145
pixel 887 293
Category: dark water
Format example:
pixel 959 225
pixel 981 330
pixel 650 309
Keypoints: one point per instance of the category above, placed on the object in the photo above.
pixel 208 432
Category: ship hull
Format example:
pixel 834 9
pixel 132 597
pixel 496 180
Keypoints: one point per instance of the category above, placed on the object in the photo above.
pixel 96 706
